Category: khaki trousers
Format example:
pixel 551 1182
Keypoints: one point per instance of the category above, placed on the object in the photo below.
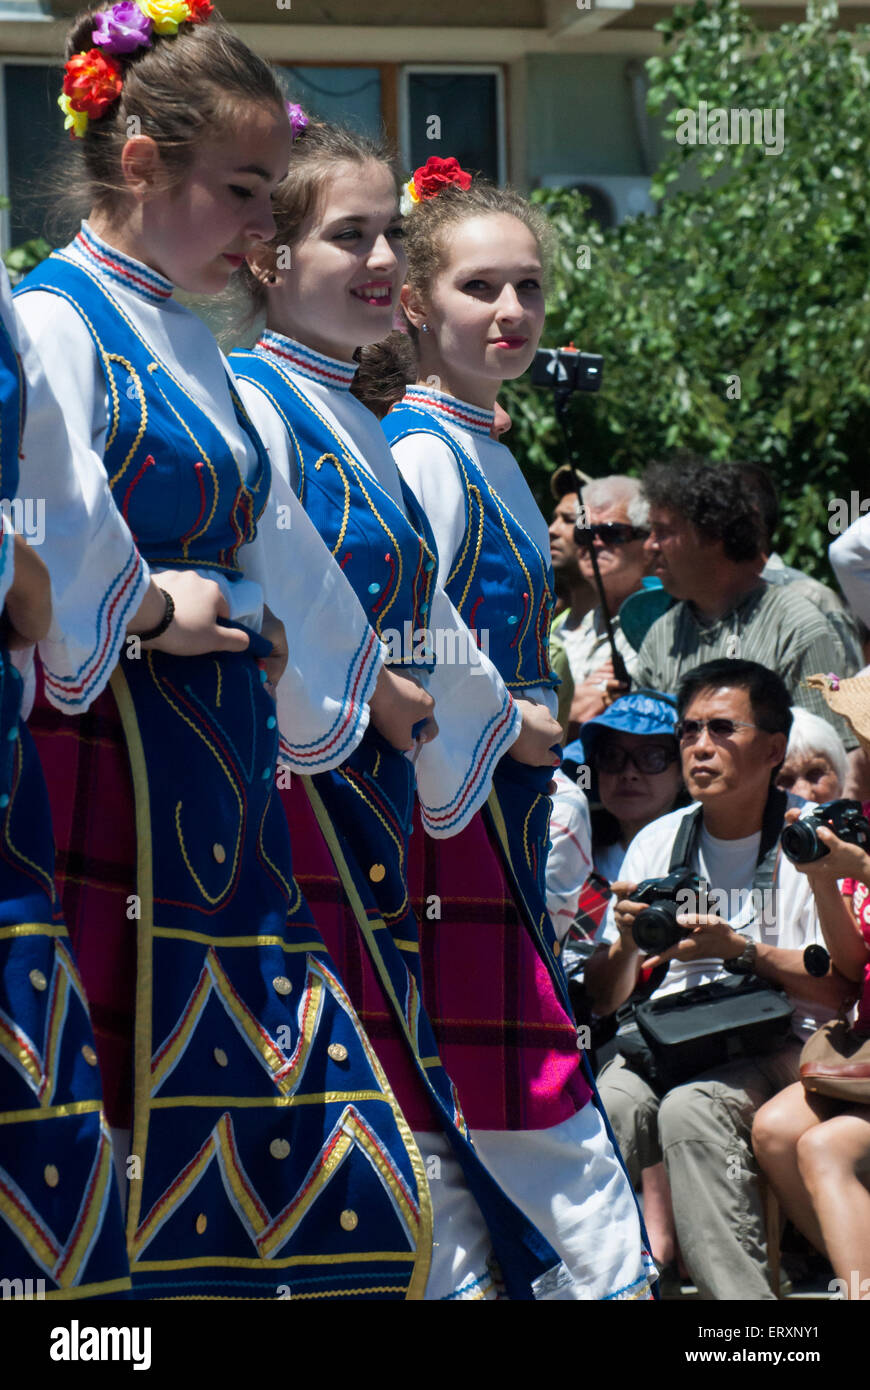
pixel 702 1131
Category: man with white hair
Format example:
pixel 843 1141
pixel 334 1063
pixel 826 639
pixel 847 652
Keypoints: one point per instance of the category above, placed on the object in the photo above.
pixel 615 513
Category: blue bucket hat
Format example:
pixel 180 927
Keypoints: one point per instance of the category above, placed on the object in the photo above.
pixel 642 712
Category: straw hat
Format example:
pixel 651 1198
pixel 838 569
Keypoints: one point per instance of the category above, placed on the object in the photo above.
pixel 849 698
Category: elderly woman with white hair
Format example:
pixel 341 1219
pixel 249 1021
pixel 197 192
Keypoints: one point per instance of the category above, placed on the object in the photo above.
pixel 815 760
pixel 615 514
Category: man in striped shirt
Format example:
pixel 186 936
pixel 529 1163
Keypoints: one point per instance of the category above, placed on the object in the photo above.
pixel 706 544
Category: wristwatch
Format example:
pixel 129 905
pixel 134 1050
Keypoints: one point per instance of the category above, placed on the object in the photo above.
pixel 817 962
pixel 744 964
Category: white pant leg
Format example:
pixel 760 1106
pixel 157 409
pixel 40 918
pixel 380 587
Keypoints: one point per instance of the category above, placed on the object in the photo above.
pixel 570 1183
pixel 120 1152
pixel 461 1245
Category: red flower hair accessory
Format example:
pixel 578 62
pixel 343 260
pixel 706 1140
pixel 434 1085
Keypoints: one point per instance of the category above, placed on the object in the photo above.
pixel 431 178
pixel 92 81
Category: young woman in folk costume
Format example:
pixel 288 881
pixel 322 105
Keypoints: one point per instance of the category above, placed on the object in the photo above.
pixel 328 283
pixel 61 1229
pixel 266 1148
pixel 474 302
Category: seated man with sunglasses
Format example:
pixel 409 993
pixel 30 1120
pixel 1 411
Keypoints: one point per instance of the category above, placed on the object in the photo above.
pixel 613 516
pixel 733 723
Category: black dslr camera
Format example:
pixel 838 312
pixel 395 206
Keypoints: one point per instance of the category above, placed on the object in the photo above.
pixel 656 929
pixel 801 843
pixel 567 369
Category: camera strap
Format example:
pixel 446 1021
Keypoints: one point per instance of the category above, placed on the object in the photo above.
pixel 685 847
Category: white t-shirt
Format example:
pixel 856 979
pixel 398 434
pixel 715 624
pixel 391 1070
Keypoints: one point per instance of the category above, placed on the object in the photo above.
pixel 729 865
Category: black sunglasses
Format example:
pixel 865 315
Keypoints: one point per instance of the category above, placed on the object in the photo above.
pixel 719 728
pixel 609 533
pixel 612 757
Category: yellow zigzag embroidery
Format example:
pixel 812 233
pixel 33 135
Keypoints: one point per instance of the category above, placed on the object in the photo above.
pixel 270 1234
pixel 286 1072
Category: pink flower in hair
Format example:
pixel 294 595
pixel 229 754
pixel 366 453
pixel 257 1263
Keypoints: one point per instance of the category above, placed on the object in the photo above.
pixel 122 29
pixel 297 118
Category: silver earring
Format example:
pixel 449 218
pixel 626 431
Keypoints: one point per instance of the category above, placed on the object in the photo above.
pixel 425 327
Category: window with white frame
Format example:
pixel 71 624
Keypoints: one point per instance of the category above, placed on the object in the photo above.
pixel 454 110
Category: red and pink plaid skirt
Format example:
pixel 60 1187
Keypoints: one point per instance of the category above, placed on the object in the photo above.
pixel 90 788
pixel 503 1035
pixel 317 877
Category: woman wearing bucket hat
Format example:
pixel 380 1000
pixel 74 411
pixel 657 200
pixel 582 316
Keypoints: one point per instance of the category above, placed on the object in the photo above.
pixel 632 763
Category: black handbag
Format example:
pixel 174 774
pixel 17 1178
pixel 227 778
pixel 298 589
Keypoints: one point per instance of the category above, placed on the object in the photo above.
pixel 672 1039
pixel 689 1032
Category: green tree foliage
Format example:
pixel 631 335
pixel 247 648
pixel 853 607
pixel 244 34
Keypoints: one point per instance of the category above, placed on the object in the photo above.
pixel 756 266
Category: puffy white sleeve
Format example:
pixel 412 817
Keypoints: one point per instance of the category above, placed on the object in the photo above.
pixel 849 555
pixel 98 577
pixel 477 717
pixel 429 467
pixel 478 721
pixel 334 655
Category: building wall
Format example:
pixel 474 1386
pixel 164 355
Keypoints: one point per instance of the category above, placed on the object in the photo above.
pixel 580 116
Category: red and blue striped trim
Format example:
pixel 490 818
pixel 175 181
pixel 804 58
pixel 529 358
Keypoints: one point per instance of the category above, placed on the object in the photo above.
pixel 468 417
pixel 496 738
pixel 343 735
pixel 76 692
pixel 329 371
pixel 148 284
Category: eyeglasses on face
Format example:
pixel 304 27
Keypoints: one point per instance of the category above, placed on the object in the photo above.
pixel 609 533
pixel 613 758
pixel 688 730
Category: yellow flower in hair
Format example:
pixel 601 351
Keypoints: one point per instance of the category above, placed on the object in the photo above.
pixel 166 14
pixel 409 198
pixel 77 121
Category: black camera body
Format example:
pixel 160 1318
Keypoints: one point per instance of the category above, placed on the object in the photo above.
pixel 567 369
pixel 800 842
pixel 656 929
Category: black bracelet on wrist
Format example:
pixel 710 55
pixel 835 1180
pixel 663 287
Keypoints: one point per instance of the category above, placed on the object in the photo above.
pixel 168 615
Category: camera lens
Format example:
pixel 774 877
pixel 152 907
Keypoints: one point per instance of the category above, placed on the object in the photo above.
pixel 655 929
pixel 801 844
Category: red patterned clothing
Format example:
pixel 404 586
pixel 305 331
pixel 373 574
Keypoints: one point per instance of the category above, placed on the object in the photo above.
pixel 502 1034
pixel 860 895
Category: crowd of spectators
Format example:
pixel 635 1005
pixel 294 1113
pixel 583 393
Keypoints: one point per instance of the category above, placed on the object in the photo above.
pixel 695 753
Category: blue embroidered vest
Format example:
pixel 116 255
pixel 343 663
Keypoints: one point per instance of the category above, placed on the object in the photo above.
pixel 172 473
pixel 389 560
pixel 501 582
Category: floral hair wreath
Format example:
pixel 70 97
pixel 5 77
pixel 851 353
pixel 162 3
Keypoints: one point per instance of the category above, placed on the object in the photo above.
pixel 428 181
pixel 93 78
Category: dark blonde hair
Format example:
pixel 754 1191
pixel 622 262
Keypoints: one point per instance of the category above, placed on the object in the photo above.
pixel 427 236
pixel 183 88
pixel 316 154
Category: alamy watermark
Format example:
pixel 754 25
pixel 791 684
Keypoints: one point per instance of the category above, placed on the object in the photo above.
pixel 425 646
pixel 844 514
pixel 26 517
pixel 739 125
